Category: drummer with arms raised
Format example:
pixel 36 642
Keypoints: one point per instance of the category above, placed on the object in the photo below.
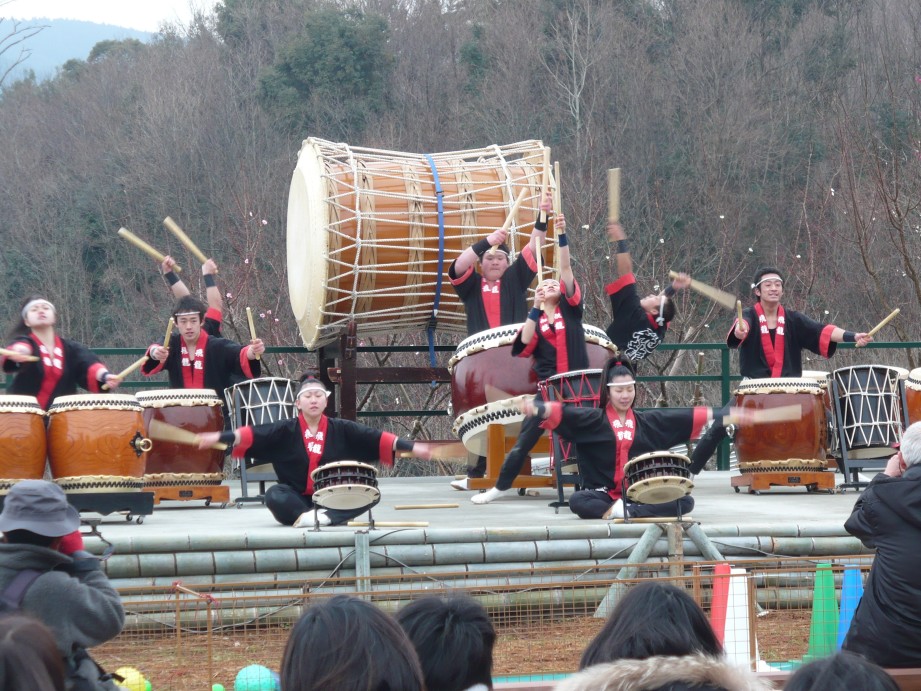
pixel 195 360
pixel 211 324
pixel 609 436
pixel 46 365
pixel 296 447
pixel 498 296
pixel 771 340
pixel 553 336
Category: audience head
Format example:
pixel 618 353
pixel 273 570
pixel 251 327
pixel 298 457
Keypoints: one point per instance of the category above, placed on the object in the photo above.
pixel 36 512
pixel 911 445
pixel 453 638
pixel 653 619
pixel 347 644
pixel 843 670
pixel 29 657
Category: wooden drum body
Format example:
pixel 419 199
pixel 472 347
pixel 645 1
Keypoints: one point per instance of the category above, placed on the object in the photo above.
pixel 96 443
pixel 370 238
pixel 912 384
pixel 345 485
pixel 658 477
pixel 22 440
pixel 485 360
pixel 806 439
pixel 170 464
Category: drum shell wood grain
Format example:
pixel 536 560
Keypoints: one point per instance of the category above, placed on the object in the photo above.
pixel 95 440
pixel 23 444
pixel 780 441
pixel 173 458
pixel 913 396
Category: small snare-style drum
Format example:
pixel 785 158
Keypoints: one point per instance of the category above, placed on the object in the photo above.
pixel 471 427
pixel 912 385
pixel 170 464
pixel 260 401
pixel 345 485
pixel 485 360
pixel 658 477
pixel 580 388
pixel 871 412
pixel 22 440
pixel 780 441
pixel 96 443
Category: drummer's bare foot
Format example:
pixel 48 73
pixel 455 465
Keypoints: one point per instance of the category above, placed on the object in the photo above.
pixel 460 484
pixel 489 495
pixel 616 510
pixel 310 518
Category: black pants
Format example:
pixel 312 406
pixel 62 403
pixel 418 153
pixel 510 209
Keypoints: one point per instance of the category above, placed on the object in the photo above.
pixel 705 448
pixel 287 504
pixel 478 469
pixel 531 431
pixel 593 503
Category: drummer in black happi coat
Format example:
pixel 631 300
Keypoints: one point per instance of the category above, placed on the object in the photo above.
pixel 298 446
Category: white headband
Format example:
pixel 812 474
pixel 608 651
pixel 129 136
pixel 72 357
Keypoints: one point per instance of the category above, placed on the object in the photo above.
pixel 767 277
pixel 660 318
pixel 31 303
pixel 622 383
pixel 186 314
pixel 313 384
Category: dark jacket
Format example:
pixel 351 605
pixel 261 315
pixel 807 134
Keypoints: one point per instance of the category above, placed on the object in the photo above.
pixel 886 627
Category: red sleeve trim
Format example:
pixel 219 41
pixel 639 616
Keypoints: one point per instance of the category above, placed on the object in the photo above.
pixel 159 366
pixel 463 277
pixel 244 363
pixel 215 314
pixel 555 417
pixel 531 345
pixel 701 413
pixel 620 284
pixel 92 383
pixel 825 340
pixel 385 448
pixel 576 294
pixel 529 258
pixel 246 441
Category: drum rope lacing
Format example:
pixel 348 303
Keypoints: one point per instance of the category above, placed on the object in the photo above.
pixel 433 320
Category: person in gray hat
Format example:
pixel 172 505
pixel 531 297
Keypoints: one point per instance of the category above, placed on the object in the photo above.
pixel 71 595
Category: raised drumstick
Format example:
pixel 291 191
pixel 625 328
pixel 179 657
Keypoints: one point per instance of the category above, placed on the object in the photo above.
pixel 719 296
pixel 545 182
pixel 252 327
pixel 511 215
pixel 169 332
pixel 441 451
pixel 892 315
pixel 172 227
pixel 128 370
pixel 7 353
pixel 784 413
pixel 739 310
pixel 144 247
pixel 557 202
pixel 163 431
pixel 614 195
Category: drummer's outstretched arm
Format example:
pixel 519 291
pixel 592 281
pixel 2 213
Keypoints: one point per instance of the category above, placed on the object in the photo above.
pixel 176 286
pixel 208 439
pixel 471 255
pixel 623 261
pixel 567 278
pixel 212 292
pixel 539 232
pixel 839 335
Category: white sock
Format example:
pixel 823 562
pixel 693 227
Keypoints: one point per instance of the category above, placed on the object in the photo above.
pixel 489 495
pixel 322 517
pixel 305 520
pixel 616 510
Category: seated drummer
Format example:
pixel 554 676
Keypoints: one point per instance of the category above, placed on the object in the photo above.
pixel 212 320
pixel 609 436
pixel 195 360
pixel 298 446
pixel 46 365
pixel 554 338
pixel 499 296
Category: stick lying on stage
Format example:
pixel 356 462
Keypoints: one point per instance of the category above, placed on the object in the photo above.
pixel 715 294
pixel 7 353
pixel 162 431
pixel 405 507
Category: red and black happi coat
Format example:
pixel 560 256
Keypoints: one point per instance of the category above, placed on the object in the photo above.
pixel 58 373
pixel 767 353
pixel 634 331
pixel 504 303
pixel 285 446
pixel 604 444
pixel 216 363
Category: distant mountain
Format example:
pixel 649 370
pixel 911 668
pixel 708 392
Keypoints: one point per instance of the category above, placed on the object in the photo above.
pixel 61 40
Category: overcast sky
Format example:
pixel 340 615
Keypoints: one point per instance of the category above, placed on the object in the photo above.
pixel 144 15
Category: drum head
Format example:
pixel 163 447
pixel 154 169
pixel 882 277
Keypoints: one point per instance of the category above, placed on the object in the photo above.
pixel 658 490
pixel 330 468
pixel 347 497
pixel 472 427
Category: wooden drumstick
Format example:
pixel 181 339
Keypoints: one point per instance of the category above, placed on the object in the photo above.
pixel 614 195
pixel 408 507
pixel 143 246
pixel 544 183
pixel 511 215
pixel 557 202
pixel 719 296
pixel 252 327
pixel 163 431
pixel 892 315
pixel 739 310
pixel 169 332
pixel 7 353
pixel 128 370
pixel 784 413
pixel 172 227
pixel 440 451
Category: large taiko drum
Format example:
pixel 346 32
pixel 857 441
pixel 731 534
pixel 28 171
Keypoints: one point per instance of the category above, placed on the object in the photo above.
pixel 824 380
pixel 345 485
pixel 485 360
pixel 174 465
pixel 806 439
pixel 22 440
pixel 870 405
pixel 912 385
pixel 371 233
pixel 658 477
pixel 472 427
pixel 96 443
